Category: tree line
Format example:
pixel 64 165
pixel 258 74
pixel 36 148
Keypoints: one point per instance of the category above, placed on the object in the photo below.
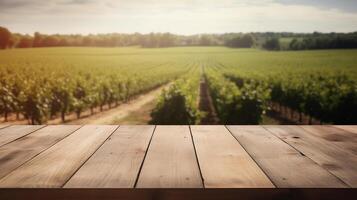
pixel 151 40
pixel 311 41
pixel 323 41
pixel 265 40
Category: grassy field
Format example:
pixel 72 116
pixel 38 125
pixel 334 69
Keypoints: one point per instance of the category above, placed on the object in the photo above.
pixel 128 58
pixel 43 83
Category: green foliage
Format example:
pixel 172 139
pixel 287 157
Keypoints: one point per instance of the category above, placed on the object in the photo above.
pixel 5 37
pixel 61 98
pixel 43 87
pixel 267 40
pixel 321 84
pixel 329 97
pixel 245 41
pixel 325 41
pixel 272 44
pixel 179 104
pixel 244 105
pixel 47 82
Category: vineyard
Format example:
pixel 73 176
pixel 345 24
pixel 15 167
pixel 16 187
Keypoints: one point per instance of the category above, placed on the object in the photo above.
pixel 244 85
pixel 49 82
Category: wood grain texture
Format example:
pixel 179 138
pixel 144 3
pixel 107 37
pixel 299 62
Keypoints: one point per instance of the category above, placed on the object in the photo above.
pixel 170 161
pixel 338 137
pixel 329 154
pixel 223 161
pixel 20 151
pixel 3 126
pixel 247 157
pixel 348 128
pixel 285 166
pixel 14 132
pixel 53 167
pixel 117 162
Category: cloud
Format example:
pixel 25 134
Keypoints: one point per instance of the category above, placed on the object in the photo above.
pixel 178 16
pixel 344 5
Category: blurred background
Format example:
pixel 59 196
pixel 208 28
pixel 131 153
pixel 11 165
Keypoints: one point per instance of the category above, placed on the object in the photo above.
pixel 178 62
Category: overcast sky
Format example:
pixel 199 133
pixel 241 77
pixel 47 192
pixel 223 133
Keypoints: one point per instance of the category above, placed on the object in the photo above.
pixel 178 16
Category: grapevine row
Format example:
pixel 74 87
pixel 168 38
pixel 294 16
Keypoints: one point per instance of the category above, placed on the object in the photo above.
pixel 179 103
pixel 330 98
pixel 40 94
pixel 236 105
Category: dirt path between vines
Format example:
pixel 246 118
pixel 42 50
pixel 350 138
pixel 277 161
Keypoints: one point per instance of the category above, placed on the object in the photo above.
pixel 206 104
pixel 122 111
pixel 136 111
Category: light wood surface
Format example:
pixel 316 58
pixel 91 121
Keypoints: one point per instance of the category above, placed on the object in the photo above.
pixel 348 128
pixel 223 161
pixel 20 151
pixel 57 164
pixel 3 126
pixel 162 157
pixel 340 137
pixel 326 152
pixel 170 161
pixel 281 162
pixel 14 132
pixel 117 162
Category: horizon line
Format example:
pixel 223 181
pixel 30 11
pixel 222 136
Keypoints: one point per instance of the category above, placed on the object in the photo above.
pixel 181 34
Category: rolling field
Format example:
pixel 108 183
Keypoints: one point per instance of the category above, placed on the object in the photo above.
pixel 45 83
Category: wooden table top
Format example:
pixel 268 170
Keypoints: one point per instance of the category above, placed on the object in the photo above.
pixel 147 156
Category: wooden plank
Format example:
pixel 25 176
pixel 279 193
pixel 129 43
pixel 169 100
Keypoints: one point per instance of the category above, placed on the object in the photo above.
pixel 20 151
pixel 328 154
pixel 53 167
pixel 170 161
pixel 285 166
pixel 223 161
pixel 14 132
pixel 340 138
pixel 349 128
pixel 117 163
pixel 3 126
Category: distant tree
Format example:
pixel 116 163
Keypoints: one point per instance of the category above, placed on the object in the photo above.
pixel 150 41
pixel 272 44
pixel 167 40
pixel 325 41
pixel 25 42
pixel 38 39
pixel 63 42
pixel 14 40
pixel 50 41
pixel 267 40
pixel 245 41
pixel 5 37
pixel 88 41
pixel 206 40
pixel 293 44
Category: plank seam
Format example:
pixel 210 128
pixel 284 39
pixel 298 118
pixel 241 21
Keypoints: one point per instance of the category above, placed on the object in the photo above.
pixel 251 157
pixel 198 162
pixel 24 135
pixel 41 152
pixel 306 130
pixel 142 163
pixel 88 158
pixel 6 126
pixel 338 178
